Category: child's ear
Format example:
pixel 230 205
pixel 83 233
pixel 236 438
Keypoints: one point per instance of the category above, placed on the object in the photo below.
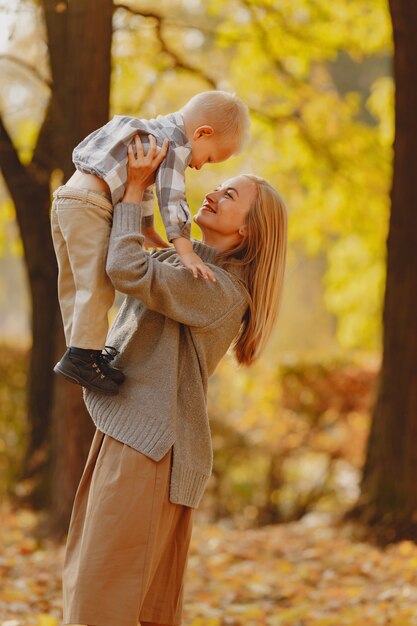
pixel 203 131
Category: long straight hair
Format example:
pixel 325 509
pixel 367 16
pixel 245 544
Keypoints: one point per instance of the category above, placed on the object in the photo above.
pixel 261 255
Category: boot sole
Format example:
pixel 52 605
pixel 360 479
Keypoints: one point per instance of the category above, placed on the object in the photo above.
pixel 72 378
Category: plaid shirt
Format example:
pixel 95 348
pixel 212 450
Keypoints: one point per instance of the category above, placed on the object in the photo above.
pixel 104 153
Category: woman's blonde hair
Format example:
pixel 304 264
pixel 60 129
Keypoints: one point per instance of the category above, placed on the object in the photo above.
pixel 261 256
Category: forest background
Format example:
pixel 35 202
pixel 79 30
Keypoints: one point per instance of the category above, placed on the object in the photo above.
pixel 290 433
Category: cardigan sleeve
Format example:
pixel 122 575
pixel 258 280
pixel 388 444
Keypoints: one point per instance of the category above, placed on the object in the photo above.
pixel 162 287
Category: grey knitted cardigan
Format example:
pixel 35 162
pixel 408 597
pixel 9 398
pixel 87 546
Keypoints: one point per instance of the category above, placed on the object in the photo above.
pixel 171 330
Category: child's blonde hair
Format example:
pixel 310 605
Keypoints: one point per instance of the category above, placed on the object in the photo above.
pixel 262 256
pixel 224 111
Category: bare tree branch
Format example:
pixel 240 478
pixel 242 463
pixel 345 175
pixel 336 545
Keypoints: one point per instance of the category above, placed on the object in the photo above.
pixel 139 13
pixel 27 67
pixel 14 172
pixel 177 61
pixel 274 119
pixel 26 192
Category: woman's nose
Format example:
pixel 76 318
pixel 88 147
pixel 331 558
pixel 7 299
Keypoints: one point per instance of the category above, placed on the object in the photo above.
pixel 214 195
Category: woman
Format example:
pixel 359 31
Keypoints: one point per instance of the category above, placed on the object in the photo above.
pixel 151 456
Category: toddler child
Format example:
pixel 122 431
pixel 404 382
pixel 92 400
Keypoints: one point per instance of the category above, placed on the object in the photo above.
pixel 210 128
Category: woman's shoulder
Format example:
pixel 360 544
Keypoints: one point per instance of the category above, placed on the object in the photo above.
pixel 163 254
pixel 229 276
pixel 206 253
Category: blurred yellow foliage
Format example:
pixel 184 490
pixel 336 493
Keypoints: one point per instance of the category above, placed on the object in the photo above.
pixel 47 620
pixel 316 76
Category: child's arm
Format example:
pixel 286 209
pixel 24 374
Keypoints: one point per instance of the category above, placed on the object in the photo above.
pixel 175 212
pixel 191 260
pixel 152 238
pixel 170 191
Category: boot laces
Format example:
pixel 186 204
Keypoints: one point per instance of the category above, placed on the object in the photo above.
pixel 108 354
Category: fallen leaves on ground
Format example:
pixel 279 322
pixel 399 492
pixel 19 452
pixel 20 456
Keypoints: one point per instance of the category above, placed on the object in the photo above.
pixel 311 572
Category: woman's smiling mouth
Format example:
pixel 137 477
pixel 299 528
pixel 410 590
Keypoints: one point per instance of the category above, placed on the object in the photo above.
pixel 207 207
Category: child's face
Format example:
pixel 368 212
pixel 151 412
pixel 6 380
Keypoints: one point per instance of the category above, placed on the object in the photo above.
pixel 207 147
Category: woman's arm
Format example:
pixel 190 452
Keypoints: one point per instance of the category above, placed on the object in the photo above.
pixel 165 288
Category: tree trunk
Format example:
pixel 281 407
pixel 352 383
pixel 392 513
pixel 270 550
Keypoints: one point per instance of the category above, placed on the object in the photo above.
pixel 60 430
pixel 82 105
pixel 29 190
pixel 389 487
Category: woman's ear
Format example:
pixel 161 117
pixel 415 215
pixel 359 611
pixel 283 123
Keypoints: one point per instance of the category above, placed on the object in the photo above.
pixel 203 131
pixel 243 231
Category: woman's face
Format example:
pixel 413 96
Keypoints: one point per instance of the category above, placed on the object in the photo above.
pixel 223 212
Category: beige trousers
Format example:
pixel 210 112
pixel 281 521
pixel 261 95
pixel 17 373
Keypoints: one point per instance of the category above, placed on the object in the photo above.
pixel 127 546
pixel 81 223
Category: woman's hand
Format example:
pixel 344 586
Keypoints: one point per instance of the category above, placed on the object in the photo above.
pixel 141 168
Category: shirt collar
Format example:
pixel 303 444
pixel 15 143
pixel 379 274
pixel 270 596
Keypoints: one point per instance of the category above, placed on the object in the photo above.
pixel 177 120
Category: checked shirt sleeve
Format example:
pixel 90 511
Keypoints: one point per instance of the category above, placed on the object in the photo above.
pixel 170 191
pixel 147 204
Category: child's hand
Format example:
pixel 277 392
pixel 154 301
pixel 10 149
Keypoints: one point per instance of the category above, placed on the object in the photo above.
pixel 152 239
pixel 192 262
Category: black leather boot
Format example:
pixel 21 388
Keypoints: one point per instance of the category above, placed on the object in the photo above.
pixel 84 368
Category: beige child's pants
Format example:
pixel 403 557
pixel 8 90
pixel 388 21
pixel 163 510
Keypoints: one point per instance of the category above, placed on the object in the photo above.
pixel 81 224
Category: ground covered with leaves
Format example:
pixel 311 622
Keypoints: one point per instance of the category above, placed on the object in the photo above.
pixel 312 572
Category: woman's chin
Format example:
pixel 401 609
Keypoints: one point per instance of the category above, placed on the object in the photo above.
pixel 199 218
